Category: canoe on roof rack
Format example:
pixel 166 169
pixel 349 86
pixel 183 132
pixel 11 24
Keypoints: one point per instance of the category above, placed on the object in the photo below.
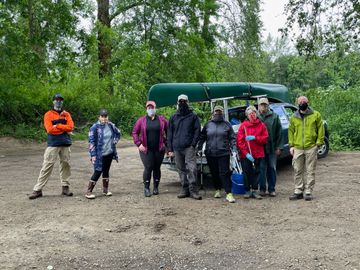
pixel 165 94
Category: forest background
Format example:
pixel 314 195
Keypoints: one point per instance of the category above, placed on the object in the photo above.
pixel 109 53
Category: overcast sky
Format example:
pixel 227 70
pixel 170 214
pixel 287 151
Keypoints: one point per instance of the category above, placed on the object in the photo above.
pixel 272 16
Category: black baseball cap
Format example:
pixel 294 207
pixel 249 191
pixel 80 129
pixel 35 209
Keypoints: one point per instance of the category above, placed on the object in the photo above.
pixel 103 112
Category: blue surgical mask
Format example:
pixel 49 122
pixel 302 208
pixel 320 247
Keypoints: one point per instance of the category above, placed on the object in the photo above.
pixel 151 112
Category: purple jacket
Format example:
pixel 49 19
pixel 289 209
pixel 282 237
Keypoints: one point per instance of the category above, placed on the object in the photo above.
pixel 139 132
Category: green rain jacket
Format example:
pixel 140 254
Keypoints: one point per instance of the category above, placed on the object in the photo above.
pixel 306 132
pixel 273 125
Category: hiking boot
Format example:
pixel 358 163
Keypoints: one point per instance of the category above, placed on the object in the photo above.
pixel 256 195
pixel 272 194
pixel 230 198
pixel 295 197
pixel 262 193
pixel 35 194
pixel 308 197
pixel 195 196
pixel 183 194
pixel 88 193
pixel 217 194
pixel 247 195
pixel 66 191
pixel 156 187
pixel 106 191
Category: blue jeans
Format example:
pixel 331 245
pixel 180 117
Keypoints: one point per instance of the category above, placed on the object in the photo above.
pixel 268 172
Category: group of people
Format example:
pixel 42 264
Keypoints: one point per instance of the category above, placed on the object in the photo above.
pixel 259 142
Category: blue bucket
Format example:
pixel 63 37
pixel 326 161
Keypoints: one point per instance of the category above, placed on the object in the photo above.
pixel 237 180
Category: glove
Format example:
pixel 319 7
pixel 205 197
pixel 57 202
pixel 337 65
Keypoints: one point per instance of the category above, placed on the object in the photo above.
pixel 250 157
pixel 249 137
pixel 59 121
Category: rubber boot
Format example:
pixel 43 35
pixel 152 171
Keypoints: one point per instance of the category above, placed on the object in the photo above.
pixel 156 187
pixel 147 192
pixel 106 187
pixel 66 191
pixel 35 194
pixel 91 186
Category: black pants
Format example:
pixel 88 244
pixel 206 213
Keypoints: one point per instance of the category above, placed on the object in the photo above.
pixel 251 174
pixel 220 171
pixel 152 162
pixel 106 163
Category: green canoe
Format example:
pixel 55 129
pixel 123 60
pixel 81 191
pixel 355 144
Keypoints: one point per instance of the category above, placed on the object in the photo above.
pixel 165 94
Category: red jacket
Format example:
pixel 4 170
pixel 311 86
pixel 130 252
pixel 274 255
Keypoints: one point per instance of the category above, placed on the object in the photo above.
pixel 257 129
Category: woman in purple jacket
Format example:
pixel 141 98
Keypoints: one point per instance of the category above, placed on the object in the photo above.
pixel 149 134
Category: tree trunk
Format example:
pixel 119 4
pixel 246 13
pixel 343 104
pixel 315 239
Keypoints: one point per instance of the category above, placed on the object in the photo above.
pixel 104 49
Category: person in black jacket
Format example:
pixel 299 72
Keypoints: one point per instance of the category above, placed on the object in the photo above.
pixel 183 136
pixel 220 139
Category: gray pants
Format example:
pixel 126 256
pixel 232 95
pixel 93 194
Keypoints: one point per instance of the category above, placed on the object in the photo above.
pixel 186 165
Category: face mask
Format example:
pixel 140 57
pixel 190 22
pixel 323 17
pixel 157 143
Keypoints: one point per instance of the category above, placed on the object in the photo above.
pixel 183 107
pixel 252 117
pixel 151 112
pixel 303 106
pixel 58 103
pixel 217 117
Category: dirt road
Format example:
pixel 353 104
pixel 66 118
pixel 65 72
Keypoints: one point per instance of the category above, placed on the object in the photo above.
pixel 129 231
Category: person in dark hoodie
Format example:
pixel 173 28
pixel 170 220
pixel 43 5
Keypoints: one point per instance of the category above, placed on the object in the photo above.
pixel 58 124
pixel 183 136
pixel 220 140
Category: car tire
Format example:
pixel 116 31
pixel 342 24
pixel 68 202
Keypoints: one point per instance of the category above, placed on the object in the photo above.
pixel 324 149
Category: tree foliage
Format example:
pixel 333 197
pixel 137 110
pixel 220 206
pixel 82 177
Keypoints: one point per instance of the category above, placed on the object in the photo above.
pixel 111 60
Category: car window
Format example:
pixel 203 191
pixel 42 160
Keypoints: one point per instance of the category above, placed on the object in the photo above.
pixel 289 111
pixel 282 115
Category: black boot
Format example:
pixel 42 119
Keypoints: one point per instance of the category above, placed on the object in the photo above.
pixel 66 191
pixel 156 187
pixel 147 192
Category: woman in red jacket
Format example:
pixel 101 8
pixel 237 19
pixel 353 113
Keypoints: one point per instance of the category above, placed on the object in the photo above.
pixel 251 138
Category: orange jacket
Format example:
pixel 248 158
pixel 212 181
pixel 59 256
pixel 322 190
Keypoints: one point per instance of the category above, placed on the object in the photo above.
pixel 58 128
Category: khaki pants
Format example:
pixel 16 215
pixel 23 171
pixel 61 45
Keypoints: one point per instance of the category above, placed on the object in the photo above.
pixel 304 163
pixel 50 157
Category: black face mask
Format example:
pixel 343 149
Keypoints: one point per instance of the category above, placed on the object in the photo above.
pixel 218 117
pixel 303 106
pixel 183 108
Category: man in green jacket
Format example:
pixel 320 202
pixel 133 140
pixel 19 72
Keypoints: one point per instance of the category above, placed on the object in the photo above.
pixel 273 148
pixel 306 134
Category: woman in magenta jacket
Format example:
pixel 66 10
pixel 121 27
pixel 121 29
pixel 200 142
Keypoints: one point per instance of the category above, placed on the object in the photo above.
pixel 251 138
pixel 149 135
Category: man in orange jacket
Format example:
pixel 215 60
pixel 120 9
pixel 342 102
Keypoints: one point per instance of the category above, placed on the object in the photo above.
pixel 58 124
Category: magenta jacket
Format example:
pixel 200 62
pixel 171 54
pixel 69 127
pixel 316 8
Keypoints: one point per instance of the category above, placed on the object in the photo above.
pixel 139 132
